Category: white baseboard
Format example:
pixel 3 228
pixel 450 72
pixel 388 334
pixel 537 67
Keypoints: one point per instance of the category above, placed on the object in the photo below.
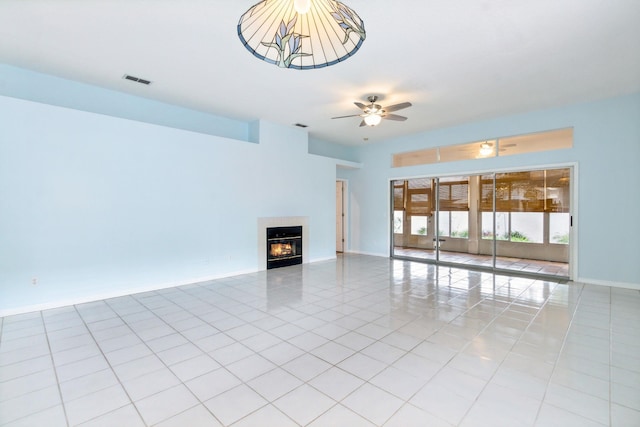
pixel 107 295
pixel 623 285
pixel 133 290
pixel 331 258
pixel 367 253
pixel 136 290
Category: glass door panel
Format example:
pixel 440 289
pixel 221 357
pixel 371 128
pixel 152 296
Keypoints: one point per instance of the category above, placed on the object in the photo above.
pixel 413 224
pixel 453 238
pixel 531 222
pixel 488 223
pixel 513 221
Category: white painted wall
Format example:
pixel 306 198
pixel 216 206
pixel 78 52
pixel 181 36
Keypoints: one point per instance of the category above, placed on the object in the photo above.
pixel 93 205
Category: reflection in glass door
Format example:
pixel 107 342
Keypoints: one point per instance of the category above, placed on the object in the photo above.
pixel 413 224
pixel 532 221
pixel 457 220
pixel 516 221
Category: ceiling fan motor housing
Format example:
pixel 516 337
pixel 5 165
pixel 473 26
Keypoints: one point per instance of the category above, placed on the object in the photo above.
pixel 374 109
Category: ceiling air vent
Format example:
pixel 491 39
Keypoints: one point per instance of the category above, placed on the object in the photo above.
pixel 136 79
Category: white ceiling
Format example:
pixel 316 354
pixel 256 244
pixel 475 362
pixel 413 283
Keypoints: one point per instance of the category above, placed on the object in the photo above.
pixel 456 61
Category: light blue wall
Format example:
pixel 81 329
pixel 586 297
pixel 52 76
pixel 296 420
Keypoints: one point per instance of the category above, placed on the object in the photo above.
pixel 94 205
pixel 606 151
pixel 329 149
pixel 33 86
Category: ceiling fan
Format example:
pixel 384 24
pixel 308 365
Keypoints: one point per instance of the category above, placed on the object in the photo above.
pixel 373 113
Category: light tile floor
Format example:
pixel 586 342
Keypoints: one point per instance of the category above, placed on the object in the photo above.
pixel 361 341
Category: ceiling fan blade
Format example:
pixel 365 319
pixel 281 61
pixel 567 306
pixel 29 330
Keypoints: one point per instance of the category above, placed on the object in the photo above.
pixel 360 105
pixel 363 123
pixel 344 117
pixel 397 107
pixel 394 117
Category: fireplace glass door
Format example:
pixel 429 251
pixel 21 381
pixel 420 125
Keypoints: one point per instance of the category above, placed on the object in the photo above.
pixel 284 246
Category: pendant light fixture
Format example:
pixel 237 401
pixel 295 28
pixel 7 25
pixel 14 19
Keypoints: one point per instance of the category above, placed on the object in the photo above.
pixel 301 34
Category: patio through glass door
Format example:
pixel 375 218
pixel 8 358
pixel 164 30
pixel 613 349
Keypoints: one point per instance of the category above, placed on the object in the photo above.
pixel 511 221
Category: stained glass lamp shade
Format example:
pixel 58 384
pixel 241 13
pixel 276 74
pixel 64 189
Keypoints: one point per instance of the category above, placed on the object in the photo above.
pixel 286 34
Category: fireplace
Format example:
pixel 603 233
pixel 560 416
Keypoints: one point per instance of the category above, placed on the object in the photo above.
pixel 284 246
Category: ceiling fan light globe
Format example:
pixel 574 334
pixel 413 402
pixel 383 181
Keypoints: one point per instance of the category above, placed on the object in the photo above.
pixel 372 119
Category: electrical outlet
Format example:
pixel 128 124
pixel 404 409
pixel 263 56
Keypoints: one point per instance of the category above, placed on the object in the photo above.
pixel 34 281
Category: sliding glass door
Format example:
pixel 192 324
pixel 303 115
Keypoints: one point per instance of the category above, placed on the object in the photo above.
pixel 516 221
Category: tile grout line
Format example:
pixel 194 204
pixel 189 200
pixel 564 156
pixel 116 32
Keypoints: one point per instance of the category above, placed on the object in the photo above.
pixel 610 357
pixel 458 352
pixel 55 370
pixel 513 345
pixel 155 354
pixel 564 342
pixel 305 352
pixel 180 333
pixel 106 302
pixel 307 382
pixel 86 325
pixel 207 353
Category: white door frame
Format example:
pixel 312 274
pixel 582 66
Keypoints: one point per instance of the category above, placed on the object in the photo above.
pixel 345 210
